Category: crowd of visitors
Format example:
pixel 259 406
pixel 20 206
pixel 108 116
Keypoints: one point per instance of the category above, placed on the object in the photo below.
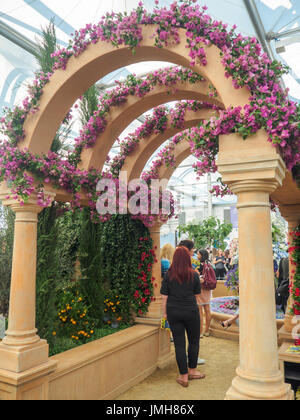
pixel 189 277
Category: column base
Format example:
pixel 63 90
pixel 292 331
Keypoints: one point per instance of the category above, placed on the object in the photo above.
pixel 244 388
pixel 165 354
pixel 19 359
pixel 166 360
pixel 30 385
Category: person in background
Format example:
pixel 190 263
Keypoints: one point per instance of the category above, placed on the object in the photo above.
pixel 283 289
pixel 227 324
pixel 228 257
pixel 190 246
pixel 205 296
pixel 214 253
pixel 235 254
pixel 166 257
pixel 219 263
pixel 187 243
pixel 180 290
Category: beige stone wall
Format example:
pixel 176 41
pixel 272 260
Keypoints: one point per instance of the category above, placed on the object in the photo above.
pixel 221 290
pixel 107 367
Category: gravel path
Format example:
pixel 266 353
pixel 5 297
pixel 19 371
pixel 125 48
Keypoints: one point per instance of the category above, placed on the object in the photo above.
pixel 222 359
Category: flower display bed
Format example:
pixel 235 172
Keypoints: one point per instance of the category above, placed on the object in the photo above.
pixel 222 308
pixel 63 344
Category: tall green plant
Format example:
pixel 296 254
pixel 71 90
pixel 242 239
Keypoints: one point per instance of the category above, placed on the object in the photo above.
pixel 48 262
pixel 89 104
pixel 47 272
pixel 46 45
pixel 90 265
pixel 210 232
pixel 58 241
pixel 7 222
pixel 69 227
pixel 88 252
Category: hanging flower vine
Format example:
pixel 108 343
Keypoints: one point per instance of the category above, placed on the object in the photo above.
pixel 295 278
pixel 269 107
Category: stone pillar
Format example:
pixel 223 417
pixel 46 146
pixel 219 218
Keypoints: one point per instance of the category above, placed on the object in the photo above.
pixel 291 214
pixel 23 355
pixel 253 170
pixel 154 311
pixel 153 316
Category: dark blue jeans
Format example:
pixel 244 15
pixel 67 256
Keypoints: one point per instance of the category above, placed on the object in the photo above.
pixel 181 322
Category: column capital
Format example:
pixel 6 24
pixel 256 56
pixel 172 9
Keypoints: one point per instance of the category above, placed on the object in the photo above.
pixel 251 185
pixel 254 162
pixel 156 227
pixel 30 206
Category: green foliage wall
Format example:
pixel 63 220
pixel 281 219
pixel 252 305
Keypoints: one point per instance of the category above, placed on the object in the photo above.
pixel 91 265
pixel 47 272
pixel 119 241
pixel 6 251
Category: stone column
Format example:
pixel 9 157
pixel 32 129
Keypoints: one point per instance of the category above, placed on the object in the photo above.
pixel 291 214
pixel 153 316
pixel 253 170
pixel 22 353
pixel 154 311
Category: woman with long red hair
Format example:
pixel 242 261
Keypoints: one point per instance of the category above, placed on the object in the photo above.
pixel 180 289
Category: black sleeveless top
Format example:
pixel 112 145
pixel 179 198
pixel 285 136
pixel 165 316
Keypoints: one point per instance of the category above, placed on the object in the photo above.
pixel 181 296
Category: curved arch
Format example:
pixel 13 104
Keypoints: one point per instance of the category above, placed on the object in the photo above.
pixel 94 63
pixel 121 116
pixel 182 151
pixel 137 160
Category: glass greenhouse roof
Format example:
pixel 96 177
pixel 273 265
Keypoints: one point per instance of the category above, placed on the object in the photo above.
pixel 274 22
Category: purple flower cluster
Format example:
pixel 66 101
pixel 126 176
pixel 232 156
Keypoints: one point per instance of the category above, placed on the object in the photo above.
pixel 132 86
pixel 269 107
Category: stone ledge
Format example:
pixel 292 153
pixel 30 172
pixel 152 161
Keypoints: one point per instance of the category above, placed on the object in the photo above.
pixel 29 375
pixel 231 333
pixel 86 354
pixel 284 336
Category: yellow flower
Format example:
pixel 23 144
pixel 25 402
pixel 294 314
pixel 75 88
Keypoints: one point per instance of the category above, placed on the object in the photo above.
pixel 54 333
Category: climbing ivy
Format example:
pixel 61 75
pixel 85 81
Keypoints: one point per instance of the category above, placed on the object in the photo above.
pixel 125 248
pixel 7 221
pixel 47 273
pixel 90 283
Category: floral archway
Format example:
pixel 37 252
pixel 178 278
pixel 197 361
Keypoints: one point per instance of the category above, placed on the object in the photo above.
pixel 252 103
pixel 243 62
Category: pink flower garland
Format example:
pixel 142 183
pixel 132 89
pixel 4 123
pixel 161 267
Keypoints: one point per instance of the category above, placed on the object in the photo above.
pixel 242 58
